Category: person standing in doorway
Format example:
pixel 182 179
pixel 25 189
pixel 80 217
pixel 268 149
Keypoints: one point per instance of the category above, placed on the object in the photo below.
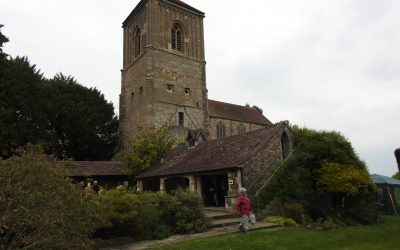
pixel 96 187
pixel 213 191
pixel 243 208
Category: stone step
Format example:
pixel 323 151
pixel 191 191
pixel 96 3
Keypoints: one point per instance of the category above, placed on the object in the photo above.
pixel 216 215
pixel 221 208
pixel 235 228
pixel 225 222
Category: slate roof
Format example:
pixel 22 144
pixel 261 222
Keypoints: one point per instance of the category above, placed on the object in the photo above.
pixel 380 179
pixel 223 153
pixel 95 168
pixel 235 112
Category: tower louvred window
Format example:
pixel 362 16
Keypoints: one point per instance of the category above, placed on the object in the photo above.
pixel 177 37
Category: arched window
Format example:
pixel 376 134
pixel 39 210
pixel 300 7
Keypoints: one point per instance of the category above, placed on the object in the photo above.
pixel 136 38
pixel 285 145
pixel 177 37
pixel 220 130
pixel 241 128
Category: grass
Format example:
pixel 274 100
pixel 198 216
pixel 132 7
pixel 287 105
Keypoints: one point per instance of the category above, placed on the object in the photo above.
pixel 384 236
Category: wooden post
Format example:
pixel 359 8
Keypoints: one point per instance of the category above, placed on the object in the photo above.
pixel 198 185
pixel 192 183
pixel 162 184
pixel 139 186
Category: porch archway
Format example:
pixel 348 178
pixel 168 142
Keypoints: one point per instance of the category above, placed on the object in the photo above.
pixel 174 183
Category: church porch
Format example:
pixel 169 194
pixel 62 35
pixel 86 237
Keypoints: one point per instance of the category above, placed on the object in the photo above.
pixel 217 189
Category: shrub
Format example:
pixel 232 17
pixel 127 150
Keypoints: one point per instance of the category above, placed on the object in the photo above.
pixel 294 210
pixel 329 223
pixel 345 180
pixel 161 232
pixel 280 220
pixel 188 213
pixel 151 215
pixel 323 172
pixel 361 210
pixel 152 208
pixel 40 208
pixel 121 210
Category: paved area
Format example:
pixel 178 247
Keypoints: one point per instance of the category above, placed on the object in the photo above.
pixel 178 238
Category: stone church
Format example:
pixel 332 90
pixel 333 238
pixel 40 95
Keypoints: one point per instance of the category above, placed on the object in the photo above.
pixel 164 85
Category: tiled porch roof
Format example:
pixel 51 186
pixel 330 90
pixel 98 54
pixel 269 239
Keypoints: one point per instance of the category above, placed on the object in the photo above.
pixel 220 154
pixel 94 168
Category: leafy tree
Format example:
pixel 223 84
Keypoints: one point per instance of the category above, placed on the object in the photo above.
pixel 396 176
pixel 344 183
pixel 345 180
pixel 3 40
pixel 40 207
pixel 256 107
pixel 147 148
pixel 68 119
pixel 20 117
pixel 397 155
pixel 81 123
pixel 323 169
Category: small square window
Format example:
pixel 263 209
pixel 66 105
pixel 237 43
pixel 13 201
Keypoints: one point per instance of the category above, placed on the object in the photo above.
pixel 170 87
pixel 187 91
pixel 141 90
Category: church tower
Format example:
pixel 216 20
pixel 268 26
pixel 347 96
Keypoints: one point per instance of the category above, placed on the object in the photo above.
pixel 163 76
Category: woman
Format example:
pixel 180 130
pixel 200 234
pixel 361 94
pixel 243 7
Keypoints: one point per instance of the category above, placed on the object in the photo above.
pixel 243 208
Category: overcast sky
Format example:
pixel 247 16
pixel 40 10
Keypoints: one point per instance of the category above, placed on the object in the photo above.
pixel 327 65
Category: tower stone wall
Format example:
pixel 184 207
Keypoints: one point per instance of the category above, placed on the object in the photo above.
pixel 162 85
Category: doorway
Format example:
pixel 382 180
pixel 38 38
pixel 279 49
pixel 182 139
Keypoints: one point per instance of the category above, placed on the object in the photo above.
pixel 214 188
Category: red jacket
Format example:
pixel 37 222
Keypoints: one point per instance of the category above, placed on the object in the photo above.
pixel 243 205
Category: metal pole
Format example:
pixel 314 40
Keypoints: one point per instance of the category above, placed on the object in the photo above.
pixel 391 199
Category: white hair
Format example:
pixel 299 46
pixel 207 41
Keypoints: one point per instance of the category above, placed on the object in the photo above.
pixel 242 190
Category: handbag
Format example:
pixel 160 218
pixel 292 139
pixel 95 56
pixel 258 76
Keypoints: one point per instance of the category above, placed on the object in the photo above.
pixel 252 218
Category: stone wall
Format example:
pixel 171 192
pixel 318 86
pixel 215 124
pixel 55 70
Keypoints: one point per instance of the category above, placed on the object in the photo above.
pixel 257 170
pixel 161 82
pixel 231 127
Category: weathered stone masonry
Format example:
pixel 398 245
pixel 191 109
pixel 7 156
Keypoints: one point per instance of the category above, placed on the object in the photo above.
pixel 161 85
pixel 165 86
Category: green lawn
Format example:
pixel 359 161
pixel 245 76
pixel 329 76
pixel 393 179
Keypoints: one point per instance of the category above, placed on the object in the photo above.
pixel 384 236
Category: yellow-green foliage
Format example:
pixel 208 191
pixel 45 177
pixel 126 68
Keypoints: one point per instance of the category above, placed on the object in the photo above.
pixel 147 148
pixel 396 176
pixel 280 220
pixel 339 178
pixel 120 206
